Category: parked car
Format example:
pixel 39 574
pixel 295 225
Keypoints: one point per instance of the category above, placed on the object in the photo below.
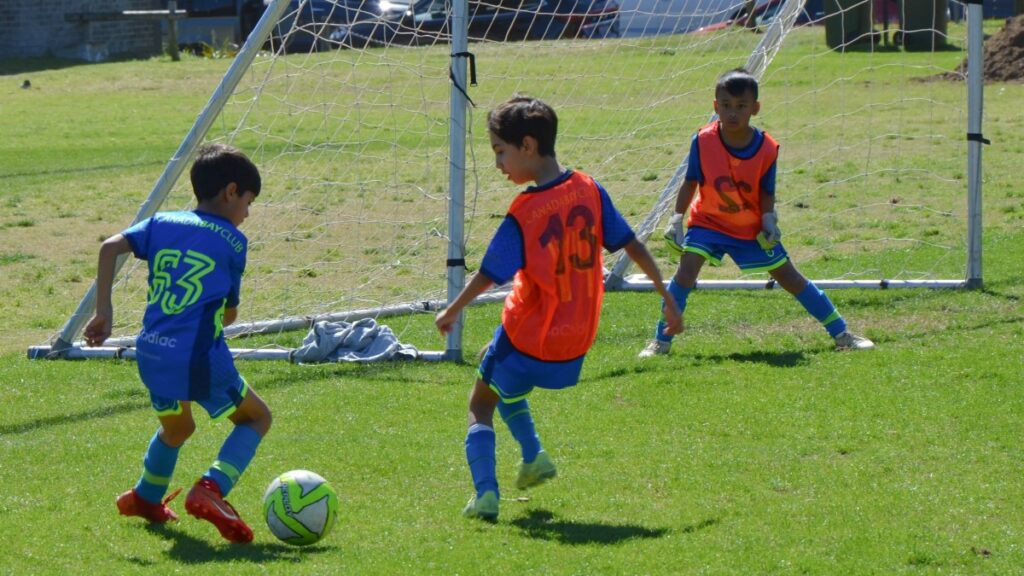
pixel 219 22
pixel 428 22
pixel 318 20
pixel 766 11
pixel 883 11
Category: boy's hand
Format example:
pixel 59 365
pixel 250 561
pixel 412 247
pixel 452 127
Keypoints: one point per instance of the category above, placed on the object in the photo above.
pixel 444 320
pixel 770 228
pixel 673 319
pixel 98 330
pixel 674 233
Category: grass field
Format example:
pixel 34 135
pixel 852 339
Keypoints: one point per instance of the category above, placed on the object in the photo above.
pixel 753 449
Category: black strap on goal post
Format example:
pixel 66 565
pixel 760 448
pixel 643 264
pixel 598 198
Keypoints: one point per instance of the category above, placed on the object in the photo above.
pixel 472 74
pixel 977 137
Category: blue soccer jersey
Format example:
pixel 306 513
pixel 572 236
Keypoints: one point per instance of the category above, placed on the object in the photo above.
pixel 196 262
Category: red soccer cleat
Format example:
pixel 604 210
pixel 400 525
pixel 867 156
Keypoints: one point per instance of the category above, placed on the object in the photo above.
pixel 205 502
pixel 131 504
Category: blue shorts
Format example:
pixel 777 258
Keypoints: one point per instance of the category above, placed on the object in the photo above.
pixel 223 401
pixel 512 374
pixel 747 254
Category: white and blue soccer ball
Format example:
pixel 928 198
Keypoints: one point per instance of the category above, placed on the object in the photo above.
pixel 300 507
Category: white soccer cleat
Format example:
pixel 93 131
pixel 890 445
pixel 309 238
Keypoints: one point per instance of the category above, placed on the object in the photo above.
pixel 850 341
pixel 485 507
pixel 537 472
pixel 655 348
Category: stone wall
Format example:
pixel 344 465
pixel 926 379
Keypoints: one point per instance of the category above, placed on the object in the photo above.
pixel 33 28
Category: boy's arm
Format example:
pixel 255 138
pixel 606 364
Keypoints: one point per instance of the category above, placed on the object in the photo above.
pixel 98 329
pixel 639 254
pixel 676 228
pixel 230 315
pixel 685 196
pixel 445 318
pixel 769 221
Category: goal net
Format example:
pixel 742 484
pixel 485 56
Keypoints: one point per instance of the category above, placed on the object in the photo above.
pixel 354 135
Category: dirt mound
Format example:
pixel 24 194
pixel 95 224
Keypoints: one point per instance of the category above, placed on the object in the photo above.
pixel 1004 54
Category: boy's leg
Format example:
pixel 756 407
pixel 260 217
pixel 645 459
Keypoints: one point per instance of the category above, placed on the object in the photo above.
pixel 146 499
pixel 252 420
pixel 812 298
pixel 481 454
pixel 818 305
pixel 520 423
pixel 536 467
pixel 679 287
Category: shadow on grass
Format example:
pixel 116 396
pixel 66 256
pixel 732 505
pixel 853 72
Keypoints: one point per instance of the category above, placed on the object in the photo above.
pixel 627 370
pixel 125 407
pixel 383 371
pixel 15 66
pixel 82 169
pixel 62 419
pixel 190 550
pixel 543 525
pixel 774 359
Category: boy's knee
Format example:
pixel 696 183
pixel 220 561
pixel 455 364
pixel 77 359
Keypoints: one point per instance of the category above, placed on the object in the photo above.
pixel 261 421
pixel 267 421
pixel 176 435
pixel 255 414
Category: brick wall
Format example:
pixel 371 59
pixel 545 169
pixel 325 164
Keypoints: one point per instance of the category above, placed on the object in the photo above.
pixel 32 28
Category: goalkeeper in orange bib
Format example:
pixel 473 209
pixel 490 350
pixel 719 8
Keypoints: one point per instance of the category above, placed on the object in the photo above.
pixel 730 181
pixel 549 245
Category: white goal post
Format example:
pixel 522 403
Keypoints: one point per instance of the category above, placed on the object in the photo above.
pixel 379 187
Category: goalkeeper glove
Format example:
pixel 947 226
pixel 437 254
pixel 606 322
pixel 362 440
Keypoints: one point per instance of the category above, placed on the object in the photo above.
pixel 674 233
pixel 770 233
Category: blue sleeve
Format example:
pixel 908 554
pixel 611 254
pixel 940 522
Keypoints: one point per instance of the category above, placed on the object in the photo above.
pixel 617 232
pixel 235 291
pixel 505 254
pixel 768 180
pixel 693 171
pixel 138 237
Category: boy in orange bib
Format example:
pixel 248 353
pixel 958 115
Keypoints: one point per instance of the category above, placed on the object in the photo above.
pixel 731 172
pixel 550 246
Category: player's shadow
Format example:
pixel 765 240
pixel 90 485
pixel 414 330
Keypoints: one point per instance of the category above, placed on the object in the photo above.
pixel 542 525
pixel 106 411
pixel 190 550
pixel 774 359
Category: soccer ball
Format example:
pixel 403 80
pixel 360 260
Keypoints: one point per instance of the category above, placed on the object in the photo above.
pixel 300 507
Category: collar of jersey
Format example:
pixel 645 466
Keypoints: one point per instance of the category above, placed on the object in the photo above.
pixel 561 178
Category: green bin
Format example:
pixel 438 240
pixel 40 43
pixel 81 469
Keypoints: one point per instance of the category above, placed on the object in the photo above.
pixel 847 23
pixel 924 24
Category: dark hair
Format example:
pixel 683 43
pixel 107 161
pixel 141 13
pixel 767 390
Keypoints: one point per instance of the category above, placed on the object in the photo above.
pixel 218 165
pixel 737 82
pixel 524 116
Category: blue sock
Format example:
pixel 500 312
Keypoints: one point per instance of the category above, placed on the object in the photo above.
pixel 818 305
pixel 520 422
pixel 235 455
pixel 480 453
pixel 157 469
pixel 680 294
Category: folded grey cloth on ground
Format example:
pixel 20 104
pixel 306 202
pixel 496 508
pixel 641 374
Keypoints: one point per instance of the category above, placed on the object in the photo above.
pixel 360 341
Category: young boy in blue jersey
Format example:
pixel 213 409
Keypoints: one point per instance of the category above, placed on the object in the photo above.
pixel 730 180
pixel 549 245
pixel 196 260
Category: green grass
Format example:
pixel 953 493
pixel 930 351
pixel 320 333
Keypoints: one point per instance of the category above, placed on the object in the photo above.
pixel 753 449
